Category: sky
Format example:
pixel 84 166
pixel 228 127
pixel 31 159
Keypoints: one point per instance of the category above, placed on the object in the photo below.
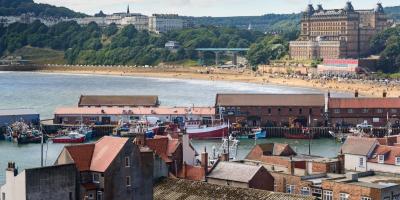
pixel 207 7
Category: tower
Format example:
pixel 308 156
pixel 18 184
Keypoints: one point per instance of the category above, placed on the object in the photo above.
pixel 127 10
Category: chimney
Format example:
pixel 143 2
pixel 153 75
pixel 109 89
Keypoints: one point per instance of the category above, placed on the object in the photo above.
pixel 184 170
pixel 140 139
pixel 356 94
pixel 291 165
pixel 341 162
pixel 225 156
pixel 329 94
pixel 204 161
pixel 384 95
pixel 11 170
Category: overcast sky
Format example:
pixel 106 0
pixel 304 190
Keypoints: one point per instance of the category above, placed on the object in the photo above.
pixel 207 7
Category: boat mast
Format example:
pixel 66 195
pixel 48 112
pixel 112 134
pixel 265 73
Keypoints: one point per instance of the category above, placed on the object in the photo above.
pixel 41 144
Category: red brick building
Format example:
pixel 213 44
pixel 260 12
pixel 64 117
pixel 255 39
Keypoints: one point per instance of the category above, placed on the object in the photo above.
pixel 272 109
pixel 374 111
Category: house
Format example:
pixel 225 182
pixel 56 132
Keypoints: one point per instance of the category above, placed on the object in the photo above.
pixel 373 111
pixel 241 175
pixel 272 109
pixel 174 189
pixel 282 157
pixel 9 116
pixel 112 168
pixel 362 185
pixel 118 101
pixel 52 182
pixel 173 151
pixel 356 151
pixel 107 116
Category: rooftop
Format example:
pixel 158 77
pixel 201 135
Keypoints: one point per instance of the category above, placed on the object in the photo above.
pixel 174 189
pixel 364 103
pixel 104 100
pixel 19 111
pixel 135 111
pixel 234 171
pixel 270 100
pixel 370 180
pixel 390 154
pixel 358 145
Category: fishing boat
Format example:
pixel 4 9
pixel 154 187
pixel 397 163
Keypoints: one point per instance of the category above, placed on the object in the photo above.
pixel 31 136
pixel 196 130
pixel 23 133
pixel 72 137
pixel 258 134
pixel 229 145
pixel 305 135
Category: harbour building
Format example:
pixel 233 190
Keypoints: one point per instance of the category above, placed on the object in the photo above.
pixel 337 33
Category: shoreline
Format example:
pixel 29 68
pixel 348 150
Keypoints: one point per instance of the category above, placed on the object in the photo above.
pixel 230 75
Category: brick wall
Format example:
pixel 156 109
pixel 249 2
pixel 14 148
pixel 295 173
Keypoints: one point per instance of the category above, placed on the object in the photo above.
pixel 355 191
pixel 281 180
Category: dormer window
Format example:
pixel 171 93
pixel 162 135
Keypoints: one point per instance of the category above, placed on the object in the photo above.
pixel 381 159
pixel 397 160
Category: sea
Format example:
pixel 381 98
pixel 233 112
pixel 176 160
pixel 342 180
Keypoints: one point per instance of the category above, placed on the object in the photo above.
pixel 44 92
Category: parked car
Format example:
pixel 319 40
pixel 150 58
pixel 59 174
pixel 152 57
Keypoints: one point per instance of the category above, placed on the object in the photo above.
pixel 364 125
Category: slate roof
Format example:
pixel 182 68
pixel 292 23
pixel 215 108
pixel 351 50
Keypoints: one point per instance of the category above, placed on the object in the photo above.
pixel 358 145
pixel 364 103
pixel 113 100
pixel 270 100
pixel 179 189
pixel 234 171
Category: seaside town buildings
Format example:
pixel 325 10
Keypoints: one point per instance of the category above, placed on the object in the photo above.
pixel 337 33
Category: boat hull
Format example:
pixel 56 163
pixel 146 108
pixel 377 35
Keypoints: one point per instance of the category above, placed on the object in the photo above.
pixel 298 137
pixel 208 133
pixel 69 140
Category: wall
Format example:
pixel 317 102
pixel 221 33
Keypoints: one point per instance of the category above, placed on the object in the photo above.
pixel 355 191
pixel 351 162
pixel 54 182
pixel 262 180
pixel 160 168
pixel 281 180
pixel 383 168
pixel 14 188
pixel 227 182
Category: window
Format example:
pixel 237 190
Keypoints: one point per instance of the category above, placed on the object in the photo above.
pixel 290 109
pixel 310 111
pixel 269 110
pixel 366 198
pixel 350 111
pixel 365 110
pixel 99 195
pixel 279 110
pixel 305 191
pixel 300 111
pixel 393 110
pixel 328 195
pixel 96 178
pixel 290 189
pixel 381 159
pixel 397 160
pixel 379 111
pixel 343 196
pixel 128 181
pixel 127 161
pixel 91 196
pixel 337 111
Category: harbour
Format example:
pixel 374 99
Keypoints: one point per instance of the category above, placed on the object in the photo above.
pixel 44 92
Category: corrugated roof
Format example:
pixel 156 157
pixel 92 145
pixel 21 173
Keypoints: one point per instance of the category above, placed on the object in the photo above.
pixel 179 189
pixel 20 111
pixel 364 103
pixel 234 171
pixel 270 100
pixel 358 145
pixel 136 111
pixel 106 149
pixel 112 100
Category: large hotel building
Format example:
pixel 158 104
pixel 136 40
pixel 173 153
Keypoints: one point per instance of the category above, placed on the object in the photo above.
pixel 337 33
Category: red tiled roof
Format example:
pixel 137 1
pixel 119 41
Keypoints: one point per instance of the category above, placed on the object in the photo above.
pixel 390 153
pixel 270 100
pixel 358 145
pixel 98 156
pixel 106 149
pixel 194 173
pixel 160 146
pixel 364 103
pixel 82 155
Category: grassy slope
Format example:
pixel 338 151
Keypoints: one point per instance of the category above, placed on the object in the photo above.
pixel 41 55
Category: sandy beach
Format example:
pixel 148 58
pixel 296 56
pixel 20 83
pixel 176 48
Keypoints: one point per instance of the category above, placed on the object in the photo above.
pixel 365 88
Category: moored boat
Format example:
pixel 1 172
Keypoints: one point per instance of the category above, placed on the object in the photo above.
pixel 258 134
pixel 208 132
pixel 72 137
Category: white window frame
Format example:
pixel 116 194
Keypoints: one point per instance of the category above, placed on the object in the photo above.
pixel 127 161
pixel 94 176
pixel 350 110
pixel 290 189
pixel 327 195
pixel 344 196
pixel 381 159
pixel 336 111
pixel 306 191
pixel 361 162
pixel 366 198
pixel 397 160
